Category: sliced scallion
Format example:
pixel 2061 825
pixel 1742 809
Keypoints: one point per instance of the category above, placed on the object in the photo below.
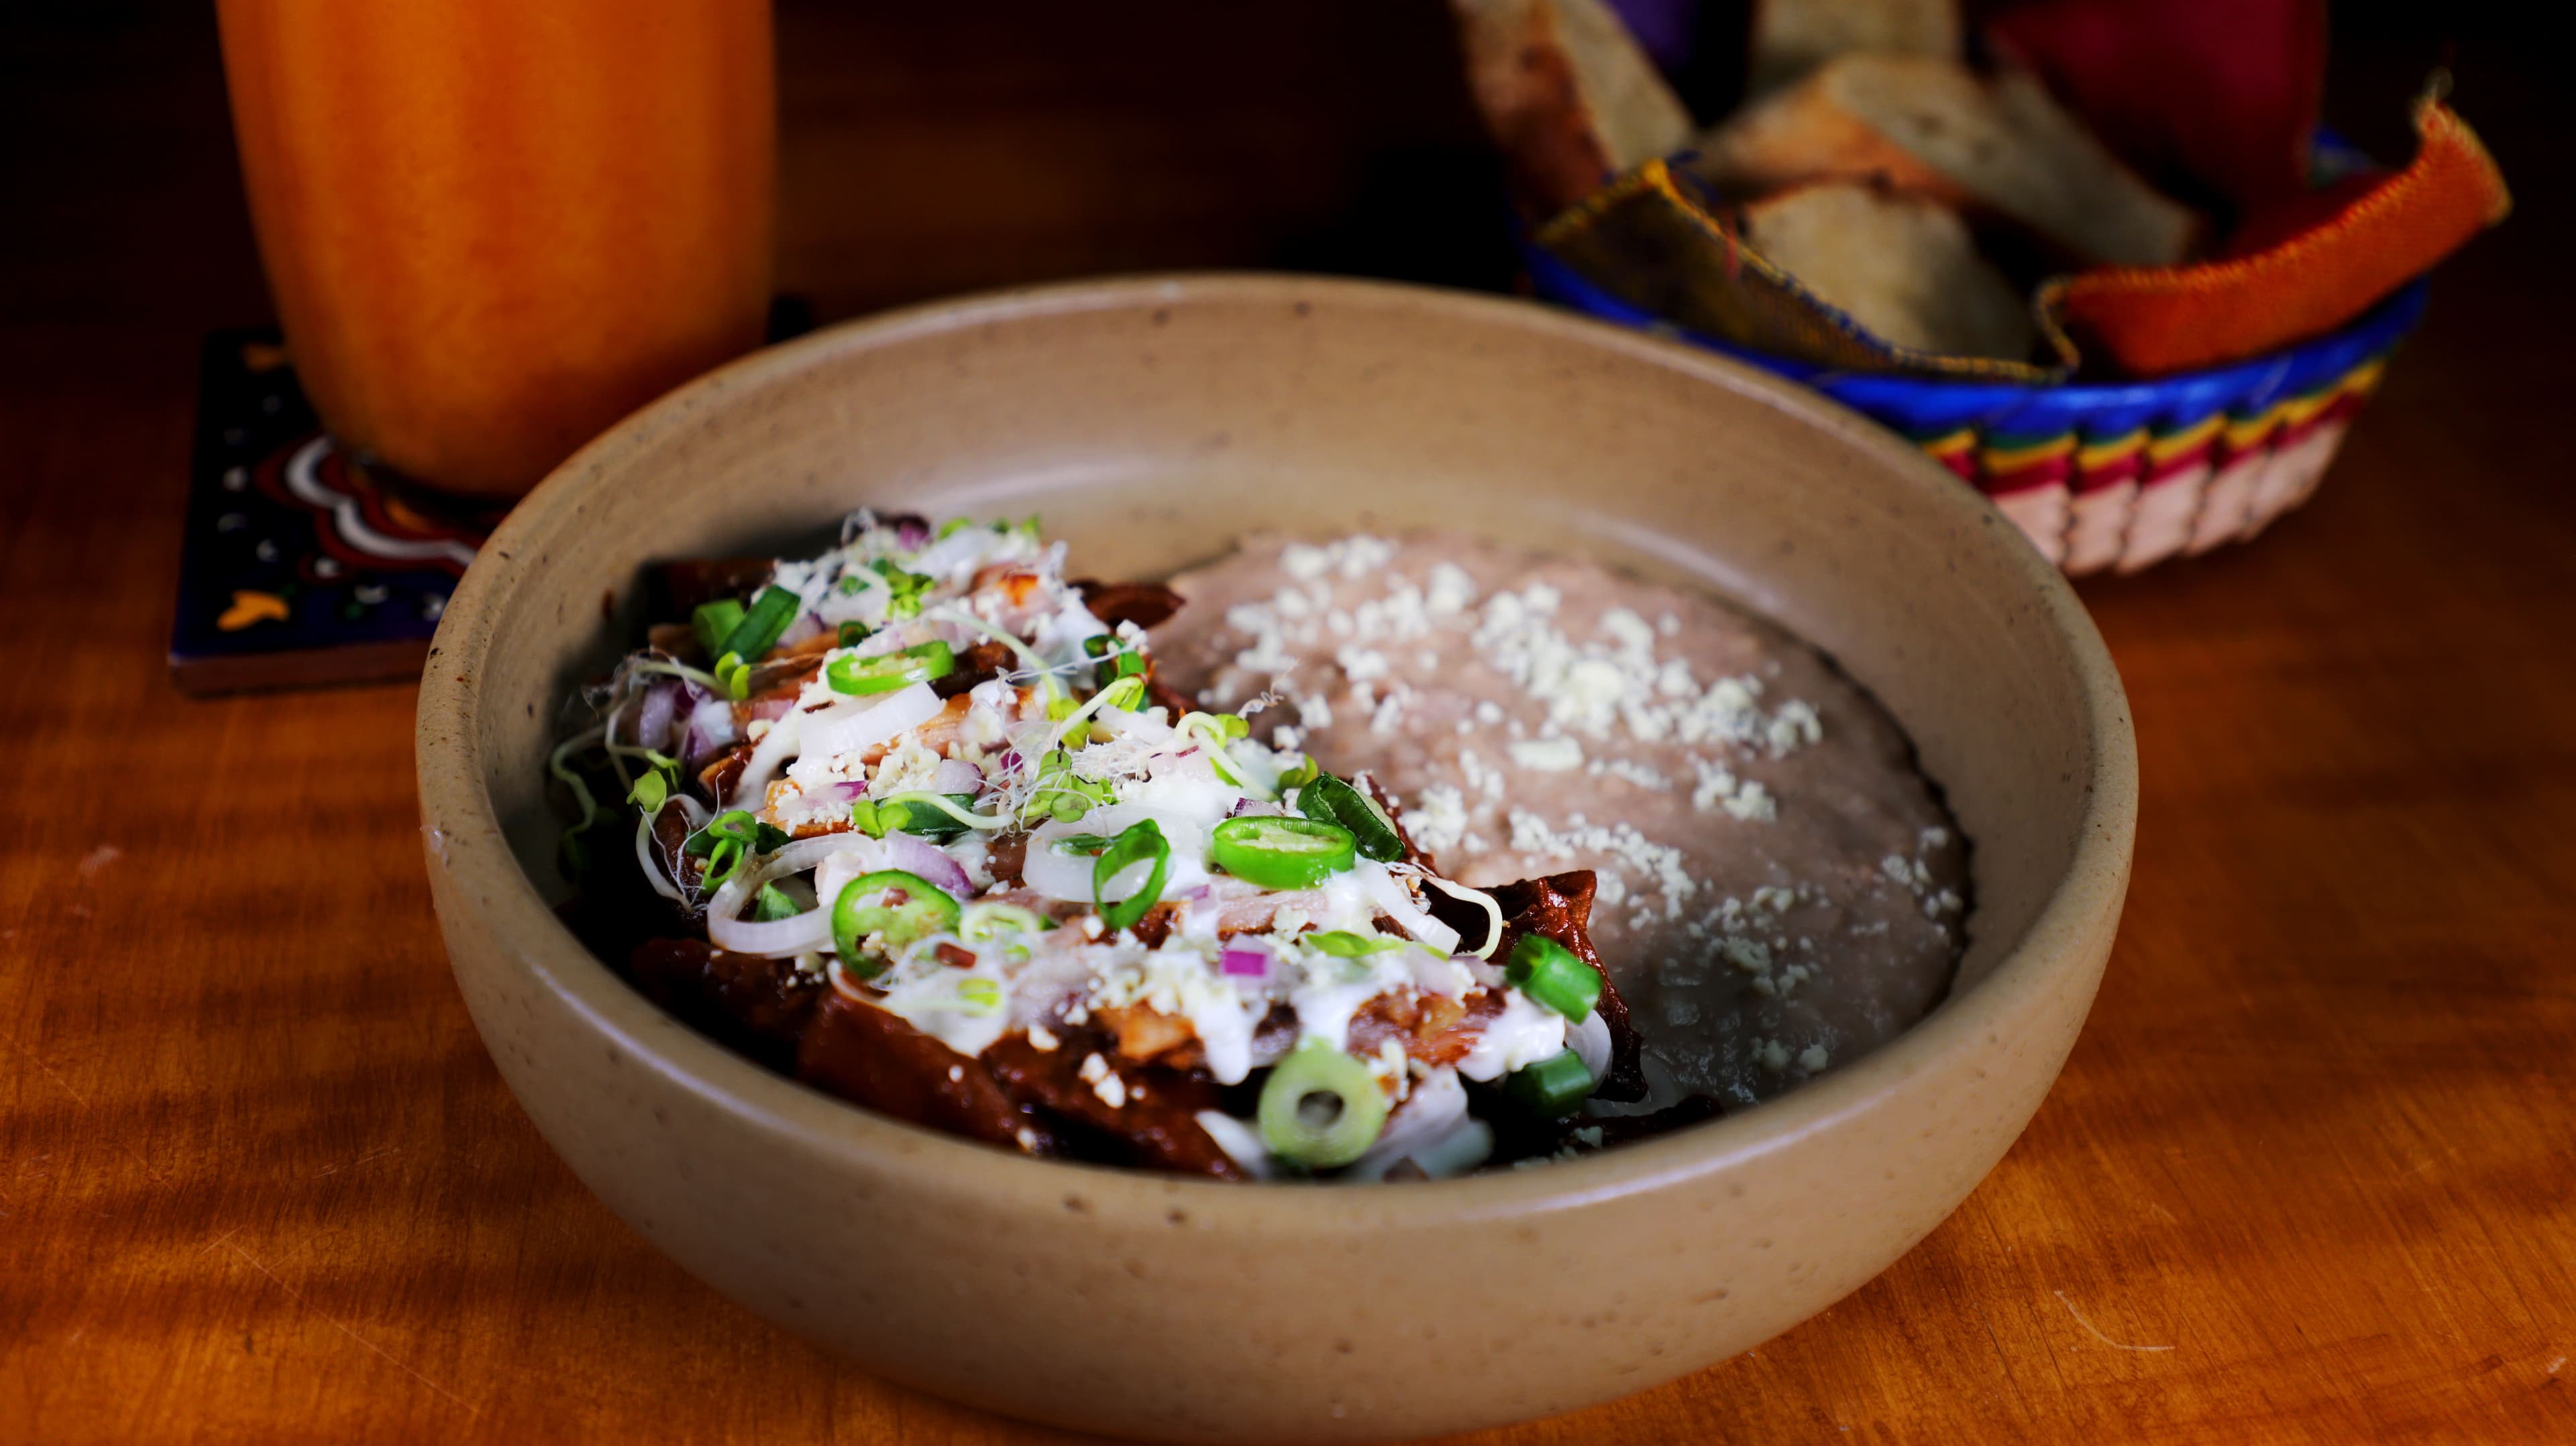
pixel 1548 972
pixel 1553 1086
pixel 1333 801
pixel 715 623
pixel 759 630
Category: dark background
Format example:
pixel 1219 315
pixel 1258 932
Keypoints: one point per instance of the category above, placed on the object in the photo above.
pixel 931 149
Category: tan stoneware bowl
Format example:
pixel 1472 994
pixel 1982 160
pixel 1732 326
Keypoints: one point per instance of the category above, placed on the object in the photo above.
pixel 1151 421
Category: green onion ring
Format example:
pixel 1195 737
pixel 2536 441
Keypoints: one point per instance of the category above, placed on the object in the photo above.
pixel 1353 1115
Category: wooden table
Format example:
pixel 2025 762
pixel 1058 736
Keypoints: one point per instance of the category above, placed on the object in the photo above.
pixel 2310 1175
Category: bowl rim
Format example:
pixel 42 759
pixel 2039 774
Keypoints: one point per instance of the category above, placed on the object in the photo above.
pixel 463 832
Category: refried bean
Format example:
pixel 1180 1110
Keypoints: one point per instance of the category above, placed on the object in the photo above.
pixel 1781 889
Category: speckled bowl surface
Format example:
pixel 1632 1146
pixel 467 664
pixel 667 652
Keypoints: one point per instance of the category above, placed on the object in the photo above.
pixel 1151 421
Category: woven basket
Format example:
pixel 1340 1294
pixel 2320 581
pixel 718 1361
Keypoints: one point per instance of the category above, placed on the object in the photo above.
pixel 2113 475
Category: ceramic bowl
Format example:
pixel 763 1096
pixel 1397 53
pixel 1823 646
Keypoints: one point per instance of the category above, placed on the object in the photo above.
pixel 1151 421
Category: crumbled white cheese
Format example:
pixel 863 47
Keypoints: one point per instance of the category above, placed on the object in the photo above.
pixel 1741 798
pixel 1547 755
pixel 1438 818
pixel 1451 589
pixel 1621 842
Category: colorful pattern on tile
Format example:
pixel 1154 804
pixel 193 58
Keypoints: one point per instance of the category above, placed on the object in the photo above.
pixel 297 567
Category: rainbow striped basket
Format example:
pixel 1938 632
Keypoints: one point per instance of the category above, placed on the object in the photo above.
pixel 2113 475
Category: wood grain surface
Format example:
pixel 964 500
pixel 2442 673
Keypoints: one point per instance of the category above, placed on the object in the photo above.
pixel 2309 1176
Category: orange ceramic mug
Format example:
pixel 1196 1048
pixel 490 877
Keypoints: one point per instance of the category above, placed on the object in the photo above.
pixel 493 227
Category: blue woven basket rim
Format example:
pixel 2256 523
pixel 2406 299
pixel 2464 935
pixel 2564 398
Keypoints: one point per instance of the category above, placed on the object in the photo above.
pixel 1938 405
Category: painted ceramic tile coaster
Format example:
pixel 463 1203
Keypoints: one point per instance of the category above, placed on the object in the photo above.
pixel 296 568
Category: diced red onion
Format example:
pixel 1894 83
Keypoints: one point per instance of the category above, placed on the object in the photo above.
pixel 1244 963
pixel 770 706
pixel 710 730
pixel 846 791
pixel 655 713
pixel 956 775
pixel 805 626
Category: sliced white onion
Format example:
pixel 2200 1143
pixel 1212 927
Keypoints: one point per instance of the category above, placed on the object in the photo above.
pixel 1478 897
pixel 1066 876
pixel 1590 1041
pixel 1435 1107
pixel 1240 1141
pixel 775 747
pixel 645 858
pixel 777 938
pixel 773 939
pixel 1397 904
pixel 860 724
pixel 1663 1091
pixel 1467 1144
pixel 651 866
pixel 1054 874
